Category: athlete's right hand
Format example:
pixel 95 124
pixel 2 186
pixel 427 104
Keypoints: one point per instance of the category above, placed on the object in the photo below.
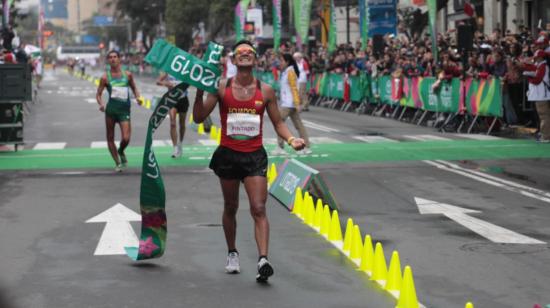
pixel 102 107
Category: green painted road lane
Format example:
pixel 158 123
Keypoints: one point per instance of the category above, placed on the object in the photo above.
pixel 88 158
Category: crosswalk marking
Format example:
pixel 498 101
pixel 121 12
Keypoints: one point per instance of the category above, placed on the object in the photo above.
pixel 50 146
pixel 208 142
pixel 313 140
pixel 102 144
pixel 320 127
pixel 373 139
pixel 325 140
pixel 477 136
pixel 426 138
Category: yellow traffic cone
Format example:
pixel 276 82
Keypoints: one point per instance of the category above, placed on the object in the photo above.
pixel 469 305
pixel 348 236
pixel 272 174
pixel 310 218
pixel 213 132
pixel 367 257
pixel 325 221
pixel 335 232
pixel 318 214
pixel 298 200
pixel 394 273
pixel 303 210
pixel 191 118
pixel 356 244
pixel 200 129
pixel 219 135
pixel 380 269
pixel 407 295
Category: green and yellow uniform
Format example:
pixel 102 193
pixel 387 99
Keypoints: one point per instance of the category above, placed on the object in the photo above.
pixel 118 107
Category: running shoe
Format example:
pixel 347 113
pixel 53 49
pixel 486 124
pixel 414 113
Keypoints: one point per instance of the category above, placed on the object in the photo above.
pixel 232 266
pixel 123 159
pixel 177 151
pixel 118 168
pixel 265 270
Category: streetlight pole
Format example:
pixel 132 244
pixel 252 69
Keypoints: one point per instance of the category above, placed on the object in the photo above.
pixel 347 21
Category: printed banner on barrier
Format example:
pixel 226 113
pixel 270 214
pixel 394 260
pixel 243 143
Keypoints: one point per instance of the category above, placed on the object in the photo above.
pixel 295 174
pixel 483 97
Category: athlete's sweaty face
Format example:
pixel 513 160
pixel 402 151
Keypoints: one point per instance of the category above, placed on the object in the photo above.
pixel 113 59
pixel 244 55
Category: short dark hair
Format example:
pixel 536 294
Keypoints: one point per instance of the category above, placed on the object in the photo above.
pixel 113 51
pixel 247 42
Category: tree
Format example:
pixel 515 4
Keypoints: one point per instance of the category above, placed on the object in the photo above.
pixel 145 15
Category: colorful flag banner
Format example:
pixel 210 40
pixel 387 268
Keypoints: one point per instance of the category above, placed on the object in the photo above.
pixel 277 21
pixel 332 28
pixel 6 4
pixel 240 17
pixel 432 15
pixel 302 13
pixel 364 23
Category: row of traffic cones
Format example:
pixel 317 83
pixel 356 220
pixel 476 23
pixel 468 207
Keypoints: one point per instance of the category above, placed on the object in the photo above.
pixel 361 252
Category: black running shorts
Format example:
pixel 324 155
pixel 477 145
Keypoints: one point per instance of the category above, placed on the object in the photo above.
pixel 234 165
pixel 183 105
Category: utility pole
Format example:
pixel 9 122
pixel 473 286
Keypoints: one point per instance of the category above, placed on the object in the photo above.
pixel 78 20
pixel 347 21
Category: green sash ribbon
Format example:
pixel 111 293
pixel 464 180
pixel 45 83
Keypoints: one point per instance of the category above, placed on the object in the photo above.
pixel 152 198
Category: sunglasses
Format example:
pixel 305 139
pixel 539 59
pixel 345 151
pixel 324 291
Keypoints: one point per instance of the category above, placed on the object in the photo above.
pixel 245 50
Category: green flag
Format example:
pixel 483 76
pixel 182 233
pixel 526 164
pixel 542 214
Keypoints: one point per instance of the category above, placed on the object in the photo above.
pixel 432 14
pixel 152 196
pixel 302 13
pixel 364 22
pixel 277 20
pixel 332 29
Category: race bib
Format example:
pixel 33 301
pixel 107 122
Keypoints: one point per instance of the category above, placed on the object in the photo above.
pixel 243 124
pixel 120 93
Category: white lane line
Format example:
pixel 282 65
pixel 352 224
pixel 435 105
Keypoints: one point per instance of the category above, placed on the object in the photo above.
pixel 323 140
pixel 373 139
pixel 487 181
pixel 426 138
pixel 103 144
pixel 477 136
pixel 50 146
pixel 497 179
pixel 208 142
pixel 91 101
pixel 320 127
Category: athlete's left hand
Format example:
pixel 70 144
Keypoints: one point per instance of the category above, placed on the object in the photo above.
pixel 298 144
pixel 140 101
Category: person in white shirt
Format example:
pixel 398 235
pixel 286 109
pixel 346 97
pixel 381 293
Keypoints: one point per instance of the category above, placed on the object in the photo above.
pixel 289 102
pixel 539 92
pixel 302 79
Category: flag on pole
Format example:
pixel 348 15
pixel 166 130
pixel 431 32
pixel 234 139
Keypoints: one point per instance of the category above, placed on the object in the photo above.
pixel 6 4
pixel 240 14
pixel 364 22
pixel 302 12
pixel 332 29
pixel 277 20
pixel 432 12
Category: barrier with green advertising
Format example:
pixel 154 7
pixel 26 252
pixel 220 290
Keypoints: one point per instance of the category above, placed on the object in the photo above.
pixel 483 96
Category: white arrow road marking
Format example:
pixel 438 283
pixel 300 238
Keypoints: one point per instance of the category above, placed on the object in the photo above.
pixel 490 231
pixel 118 232
pixel 373 139
pixel 426 137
